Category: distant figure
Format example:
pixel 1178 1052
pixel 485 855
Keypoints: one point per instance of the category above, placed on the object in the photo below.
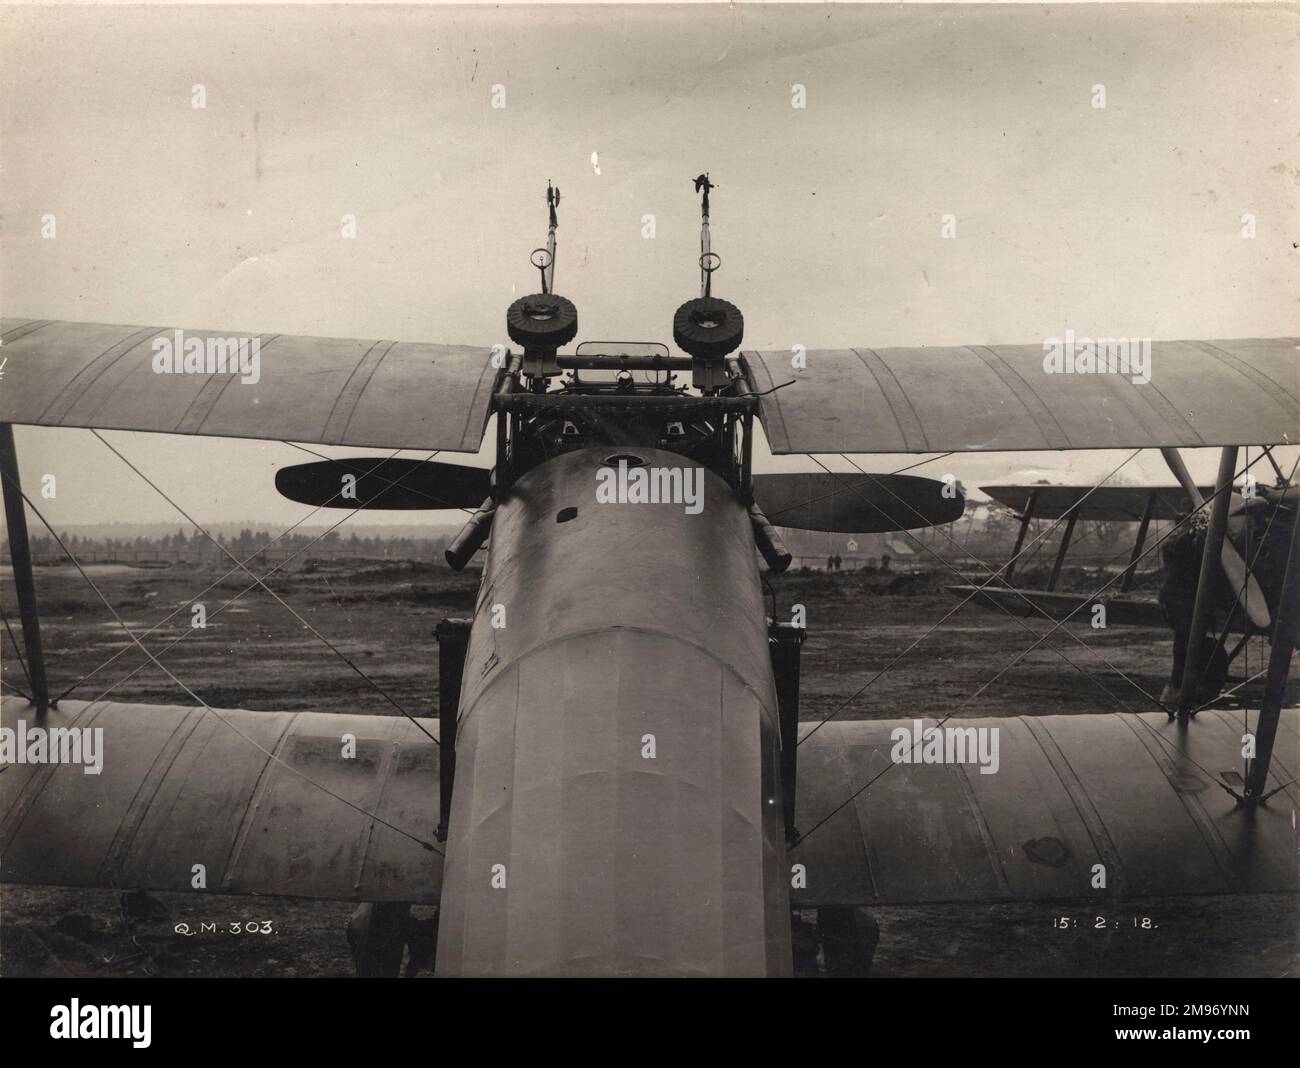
pixel 830 563
pixel 838 562
pixel 884 561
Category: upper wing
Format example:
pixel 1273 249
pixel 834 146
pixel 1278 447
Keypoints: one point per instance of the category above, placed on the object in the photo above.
pixel 335 391
pixel 1108 503
pixel 180 787
pixel 997 398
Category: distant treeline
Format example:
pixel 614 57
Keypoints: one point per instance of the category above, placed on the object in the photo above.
pixel 990 539
pixel 262 544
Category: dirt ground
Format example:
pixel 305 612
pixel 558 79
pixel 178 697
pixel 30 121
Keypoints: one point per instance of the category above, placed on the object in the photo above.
pixel 382 614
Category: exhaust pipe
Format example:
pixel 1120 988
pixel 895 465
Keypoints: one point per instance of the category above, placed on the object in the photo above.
pixel 769 542
pixel 471 537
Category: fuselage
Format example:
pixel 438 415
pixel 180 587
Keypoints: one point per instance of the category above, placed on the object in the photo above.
pixel 617 806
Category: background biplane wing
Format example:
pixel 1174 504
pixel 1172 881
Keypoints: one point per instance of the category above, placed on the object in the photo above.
pixel 1113 504
pixel 332 391
pixel 183 787
pixel 990 399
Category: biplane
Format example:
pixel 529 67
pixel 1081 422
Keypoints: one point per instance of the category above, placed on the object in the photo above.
pixel 617 781
pixel 1252 561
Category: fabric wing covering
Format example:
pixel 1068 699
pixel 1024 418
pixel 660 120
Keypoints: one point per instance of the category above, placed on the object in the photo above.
pixel 331 391
pixel 181 786
pixel 191 785
pixel 1003 398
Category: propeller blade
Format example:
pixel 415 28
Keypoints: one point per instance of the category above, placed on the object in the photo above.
pixel 856 504
pixel 373 482
pixel 1249 595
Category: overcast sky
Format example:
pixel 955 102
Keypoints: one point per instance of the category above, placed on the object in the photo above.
pixel 1117 222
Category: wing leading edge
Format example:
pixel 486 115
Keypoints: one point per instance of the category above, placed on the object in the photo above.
pixel 333 391
pixel 1004 398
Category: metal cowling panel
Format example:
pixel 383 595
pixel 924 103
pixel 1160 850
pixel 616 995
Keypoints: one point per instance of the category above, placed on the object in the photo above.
pixel 623 621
